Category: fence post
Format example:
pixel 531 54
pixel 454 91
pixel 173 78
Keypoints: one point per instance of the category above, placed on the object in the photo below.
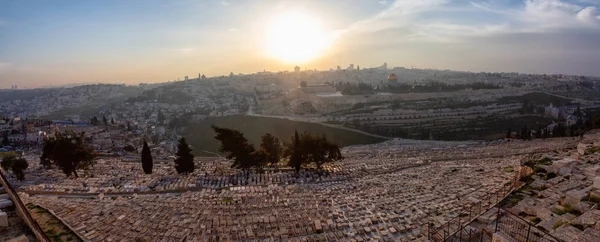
pixel 528 230
pixel 470 234
pixel 497 220
pixel 429 232
pixel 470 209
pixel 448 229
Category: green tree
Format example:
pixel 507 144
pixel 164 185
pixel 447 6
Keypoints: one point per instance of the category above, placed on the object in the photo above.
pixel 308 148
pixel 94 121
pixel 146 159
pixel 184 163
pixel 104 120
pixel 237 148
pixel 46 158
pixel 16 165
pixel 271 145
pixel 294 151
pixel 112 121
pixel 318 150
pixel 259 159
pixel 69 151
pixel 7 161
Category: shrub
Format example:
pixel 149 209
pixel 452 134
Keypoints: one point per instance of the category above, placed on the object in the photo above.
pixel 550 175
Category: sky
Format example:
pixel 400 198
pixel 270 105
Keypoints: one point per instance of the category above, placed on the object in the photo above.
pixel 81 41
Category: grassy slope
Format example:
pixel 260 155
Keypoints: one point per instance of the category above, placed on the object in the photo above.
pixel 201 136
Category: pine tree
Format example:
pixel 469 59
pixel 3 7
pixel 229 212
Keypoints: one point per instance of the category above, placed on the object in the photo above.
pixel 184 163
pixel 112 121
pixel 104 120
pixel 296 152
pixel 271 145
pixel 322 151
pixel 146 159
pixel 237 148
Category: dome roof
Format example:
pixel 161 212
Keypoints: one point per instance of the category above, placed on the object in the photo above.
pixel 392 77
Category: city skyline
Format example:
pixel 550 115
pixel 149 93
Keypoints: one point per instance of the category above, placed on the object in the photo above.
pixel 61 42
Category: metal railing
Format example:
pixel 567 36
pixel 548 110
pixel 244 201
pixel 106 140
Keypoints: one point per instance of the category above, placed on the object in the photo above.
pixel 471 235
pixel 514 227
pixel 458 223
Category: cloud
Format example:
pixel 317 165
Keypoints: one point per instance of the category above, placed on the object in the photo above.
pixel 232 29
pixel 383 2
pixel 558 14
pixel 2 22
pixel 492 8
pixel 445 20
pixel 225 3
pixel 589 15
pixel 185 50
pixel 398 14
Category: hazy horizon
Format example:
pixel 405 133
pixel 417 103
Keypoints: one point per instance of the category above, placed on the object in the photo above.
pixel 60 42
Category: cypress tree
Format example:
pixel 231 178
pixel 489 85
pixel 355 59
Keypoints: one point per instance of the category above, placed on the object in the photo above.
pixel 296 153
pixel 184 163
pixel 146 159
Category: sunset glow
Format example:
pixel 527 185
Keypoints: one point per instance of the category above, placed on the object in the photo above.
pixel 296 38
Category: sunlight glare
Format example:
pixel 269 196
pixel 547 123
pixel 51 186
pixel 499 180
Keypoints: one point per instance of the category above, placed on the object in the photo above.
pixel 296 38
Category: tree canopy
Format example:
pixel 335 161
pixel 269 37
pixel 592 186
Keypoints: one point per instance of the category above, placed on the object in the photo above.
pixel 184 163
pixel 16 165
pixel 272 146
pixel 69 151
pixel 303 149
pixel 308 148
pixel 236 146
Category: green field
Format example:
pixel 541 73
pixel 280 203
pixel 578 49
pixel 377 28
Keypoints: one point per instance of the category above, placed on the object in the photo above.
pixel 201 136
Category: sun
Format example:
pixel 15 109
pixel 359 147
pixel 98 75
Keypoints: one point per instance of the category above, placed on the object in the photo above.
pixel 296 38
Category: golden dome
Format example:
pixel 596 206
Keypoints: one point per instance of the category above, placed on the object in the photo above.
pixel 392 78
